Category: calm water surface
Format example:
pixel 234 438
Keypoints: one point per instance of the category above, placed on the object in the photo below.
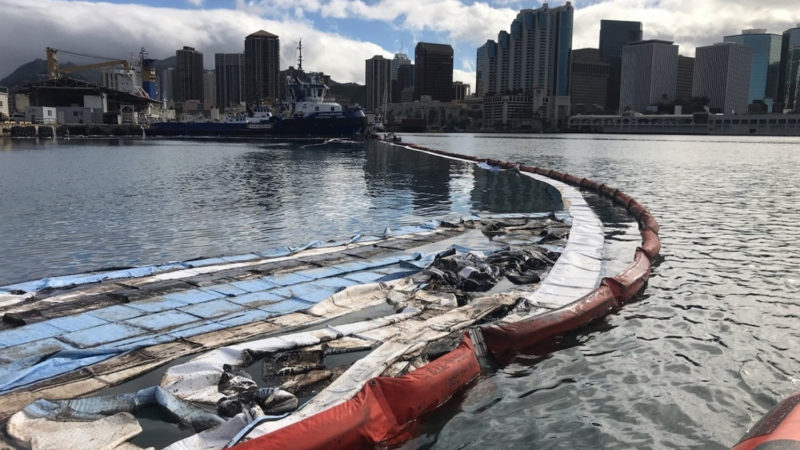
pixel 700 357
pixel 75 206
pixel 713 343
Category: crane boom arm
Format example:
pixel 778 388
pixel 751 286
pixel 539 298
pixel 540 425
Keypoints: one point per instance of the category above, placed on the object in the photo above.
pixel 122 62
pixel 54 70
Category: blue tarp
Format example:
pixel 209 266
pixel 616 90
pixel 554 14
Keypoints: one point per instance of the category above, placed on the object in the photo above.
pixel 113 330
pixel 213 308
pixel 103 334
pixel 163 320
pixel 61 362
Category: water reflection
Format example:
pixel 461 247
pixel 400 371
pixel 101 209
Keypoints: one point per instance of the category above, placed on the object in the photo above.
pixel 509 192
pixel 425 177
pixel 79 205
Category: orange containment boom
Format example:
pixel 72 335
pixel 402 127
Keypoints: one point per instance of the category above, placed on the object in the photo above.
pixel 383 410
pixel 779 429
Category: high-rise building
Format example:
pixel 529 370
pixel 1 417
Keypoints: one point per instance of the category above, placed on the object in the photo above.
pixel 766 63
pixel 722 73
pixel 229 69
pixel 614 35
pixel 460 90
pixel 166 88
pixel 648 75
pixel 188 82
pixel 588 81
pixel 404 85
pixel 261 67
pixel 486 70
pixel 684 78
pixel 400 59
pixel 503 58
pixel 532 59
pixel 789 71
pixel 433 67
pixel 378 78
pixel 209 89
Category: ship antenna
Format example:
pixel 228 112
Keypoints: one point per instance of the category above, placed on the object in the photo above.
pixel 300 58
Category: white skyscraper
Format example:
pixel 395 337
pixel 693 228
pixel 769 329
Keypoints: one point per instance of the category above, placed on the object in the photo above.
pixel 649 74
pixel 722 73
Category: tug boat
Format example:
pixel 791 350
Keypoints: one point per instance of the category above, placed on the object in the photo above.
pixel 305 113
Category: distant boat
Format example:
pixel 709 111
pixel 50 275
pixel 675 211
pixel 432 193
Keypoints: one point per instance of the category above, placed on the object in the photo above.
pixel 305 113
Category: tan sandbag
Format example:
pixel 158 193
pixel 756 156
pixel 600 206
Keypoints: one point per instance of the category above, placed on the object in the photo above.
pixel 43 434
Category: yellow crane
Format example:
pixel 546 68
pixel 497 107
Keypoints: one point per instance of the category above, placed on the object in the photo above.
pixel 53 71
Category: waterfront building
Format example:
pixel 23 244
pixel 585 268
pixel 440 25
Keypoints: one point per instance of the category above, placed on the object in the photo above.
pixel 433 67
pixel 701 123
pixel 209 90
pixel 427 114
pixel 378 77
pixel 188 79
pixel 229 68
pixel 722 73
pixel 588 81
pixel 614 35
pixel 261 67
pixel 684 78
pixel 508 112
pixel 532 59
pixel 648 75
pixel 789 70
pixel 766 62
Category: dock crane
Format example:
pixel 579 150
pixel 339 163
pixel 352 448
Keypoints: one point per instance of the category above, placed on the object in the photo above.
pixel 54 72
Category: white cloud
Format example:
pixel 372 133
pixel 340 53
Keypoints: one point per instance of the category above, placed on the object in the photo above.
pixel 465 76
pixel 120 30
pixel 689 23
pixel 471 23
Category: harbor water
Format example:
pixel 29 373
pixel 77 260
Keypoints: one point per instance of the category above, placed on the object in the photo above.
pixel 710 346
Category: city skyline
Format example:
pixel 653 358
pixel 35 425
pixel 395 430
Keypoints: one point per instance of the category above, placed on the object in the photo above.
pixel 353 29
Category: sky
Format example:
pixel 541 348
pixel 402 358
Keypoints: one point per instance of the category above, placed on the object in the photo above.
pixel 338 35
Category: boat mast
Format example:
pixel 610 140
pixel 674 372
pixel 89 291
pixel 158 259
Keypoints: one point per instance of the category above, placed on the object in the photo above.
pixel 300 57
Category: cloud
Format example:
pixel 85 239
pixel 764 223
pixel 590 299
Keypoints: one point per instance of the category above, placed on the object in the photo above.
pixel 471 23
pixel 687 22
pixel 466 77
pixel 119 31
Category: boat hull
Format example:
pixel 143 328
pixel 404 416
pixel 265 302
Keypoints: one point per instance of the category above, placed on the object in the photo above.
pixel 312 127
